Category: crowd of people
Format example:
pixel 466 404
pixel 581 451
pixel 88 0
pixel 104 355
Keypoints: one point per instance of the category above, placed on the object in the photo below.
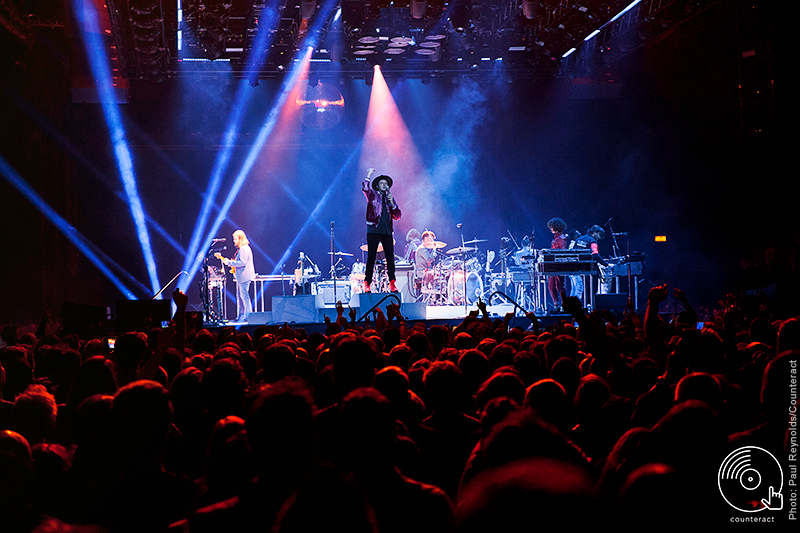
pixel 381 426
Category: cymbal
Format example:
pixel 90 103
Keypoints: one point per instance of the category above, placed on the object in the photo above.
pixel 473 241
pixel 461 250
pixel 434 244
pixel 339 253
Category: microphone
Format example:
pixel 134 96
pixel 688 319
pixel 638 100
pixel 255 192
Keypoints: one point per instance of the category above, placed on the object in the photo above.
pixel 218 240
pixel 459 225
pixel 608 221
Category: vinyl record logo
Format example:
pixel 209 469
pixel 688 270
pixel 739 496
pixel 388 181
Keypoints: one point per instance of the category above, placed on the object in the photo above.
pixel 751 479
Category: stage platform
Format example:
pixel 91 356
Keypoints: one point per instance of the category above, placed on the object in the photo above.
pixel 412 313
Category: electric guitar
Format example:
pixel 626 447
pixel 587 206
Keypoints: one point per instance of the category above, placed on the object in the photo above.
pixel 219 256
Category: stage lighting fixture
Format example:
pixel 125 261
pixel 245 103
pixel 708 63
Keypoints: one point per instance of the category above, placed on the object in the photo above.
pixel 417 8
pixel 212 41
pixel 322 107
pixel 307 8
pixel 430 49
pixel 529 8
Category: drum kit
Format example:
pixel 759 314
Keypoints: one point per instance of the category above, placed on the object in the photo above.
pixel 455 277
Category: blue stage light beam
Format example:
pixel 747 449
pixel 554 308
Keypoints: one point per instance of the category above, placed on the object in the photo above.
pixel 334 185
pixel 90 30
pixel 61 139
pixel 250 160
pixel 302 208
pixel 269 19
pixel 69 231
pixel 299 69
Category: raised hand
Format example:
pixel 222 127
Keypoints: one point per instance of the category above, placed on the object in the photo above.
pixel 180 299
pixel 658 294
pixel 380 319
pixel 679 294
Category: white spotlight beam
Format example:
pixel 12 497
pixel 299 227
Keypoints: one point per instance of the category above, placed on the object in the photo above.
pixel 86 15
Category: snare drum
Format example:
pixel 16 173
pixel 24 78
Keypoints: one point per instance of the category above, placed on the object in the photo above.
pixel 455 287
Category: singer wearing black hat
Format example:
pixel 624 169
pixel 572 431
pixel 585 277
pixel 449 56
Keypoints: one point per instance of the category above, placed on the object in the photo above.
pixel 382 210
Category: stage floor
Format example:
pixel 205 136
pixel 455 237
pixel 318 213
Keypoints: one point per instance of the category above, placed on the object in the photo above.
pixel 433 314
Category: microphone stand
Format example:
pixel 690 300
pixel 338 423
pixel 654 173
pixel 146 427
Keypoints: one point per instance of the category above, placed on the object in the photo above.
pixel 613 237
pixel 333 265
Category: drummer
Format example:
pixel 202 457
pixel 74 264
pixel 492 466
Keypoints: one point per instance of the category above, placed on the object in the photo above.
pixel 425 256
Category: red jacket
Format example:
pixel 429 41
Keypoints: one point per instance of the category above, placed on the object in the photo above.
pixel 375 205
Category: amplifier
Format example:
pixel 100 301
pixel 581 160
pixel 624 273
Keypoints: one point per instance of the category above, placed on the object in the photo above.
pixel 325 295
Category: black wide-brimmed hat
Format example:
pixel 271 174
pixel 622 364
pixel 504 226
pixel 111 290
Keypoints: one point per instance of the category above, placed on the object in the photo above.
pixel 379 178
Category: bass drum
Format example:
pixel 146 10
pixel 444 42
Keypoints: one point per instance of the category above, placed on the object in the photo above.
pixel 455 287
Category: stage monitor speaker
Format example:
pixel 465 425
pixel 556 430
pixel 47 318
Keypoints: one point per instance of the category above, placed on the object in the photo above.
pixel 294 309
pixel 142 315
pixel 614 303
pixel 326 297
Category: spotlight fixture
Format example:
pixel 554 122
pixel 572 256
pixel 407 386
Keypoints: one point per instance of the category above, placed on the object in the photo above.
pixel 529 8
pixel 307 8
pixel 417 8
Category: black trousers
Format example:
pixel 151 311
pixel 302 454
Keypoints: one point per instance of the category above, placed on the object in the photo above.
pixel 373 239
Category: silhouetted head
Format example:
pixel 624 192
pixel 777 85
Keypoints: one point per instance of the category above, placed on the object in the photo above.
pixel 557 225
pixel 596 232
pixel 444 385
pixel 699 386
pixel 281 429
